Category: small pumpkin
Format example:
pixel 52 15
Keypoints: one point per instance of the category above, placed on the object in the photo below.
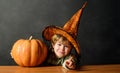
pixel 29 53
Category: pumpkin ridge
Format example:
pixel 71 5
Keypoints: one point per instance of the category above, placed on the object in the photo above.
pixel 44 50
pixel 35 48
pixel 18 43
pixel 20 49
pixel 40 51
pixel 26 52
pixel 40 61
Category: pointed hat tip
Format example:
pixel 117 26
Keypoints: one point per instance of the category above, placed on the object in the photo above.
pixel 84 4
pixel 72 24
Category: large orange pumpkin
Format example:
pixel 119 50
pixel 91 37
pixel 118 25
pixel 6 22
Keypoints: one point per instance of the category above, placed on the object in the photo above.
pixel 29 53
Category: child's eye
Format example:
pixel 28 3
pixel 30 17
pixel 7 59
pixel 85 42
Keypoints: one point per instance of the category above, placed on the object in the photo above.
pixel 59 44
pixel 66 46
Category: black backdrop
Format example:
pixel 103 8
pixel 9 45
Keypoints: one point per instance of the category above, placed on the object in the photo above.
pixel 98 34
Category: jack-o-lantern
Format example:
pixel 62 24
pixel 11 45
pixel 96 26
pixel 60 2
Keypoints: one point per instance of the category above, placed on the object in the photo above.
pixel 32 52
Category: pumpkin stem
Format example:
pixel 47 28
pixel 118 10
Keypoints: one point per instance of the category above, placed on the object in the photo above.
pixel 30 37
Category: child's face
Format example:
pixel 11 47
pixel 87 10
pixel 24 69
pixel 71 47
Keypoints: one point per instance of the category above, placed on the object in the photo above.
pixel 61 49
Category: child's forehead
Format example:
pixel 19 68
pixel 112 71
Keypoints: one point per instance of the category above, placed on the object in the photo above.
pixel 63 41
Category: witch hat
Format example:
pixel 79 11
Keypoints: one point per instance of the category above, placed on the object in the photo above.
pixel 69 30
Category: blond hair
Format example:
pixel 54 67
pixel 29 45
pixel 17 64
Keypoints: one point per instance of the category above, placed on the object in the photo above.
pixel 56 37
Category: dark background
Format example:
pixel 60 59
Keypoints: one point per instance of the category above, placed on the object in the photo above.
pixel 98 34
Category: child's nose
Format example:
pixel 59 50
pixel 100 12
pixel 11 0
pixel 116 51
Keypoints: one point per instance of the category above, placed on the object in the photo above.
pixel 62 47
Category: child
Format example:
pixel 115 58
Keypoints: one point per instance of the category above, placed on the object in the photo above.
pixel 59 53
pixel 62 41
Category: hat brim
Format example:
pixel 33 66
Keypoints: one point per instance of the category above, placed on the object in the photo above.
pixel 49 31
